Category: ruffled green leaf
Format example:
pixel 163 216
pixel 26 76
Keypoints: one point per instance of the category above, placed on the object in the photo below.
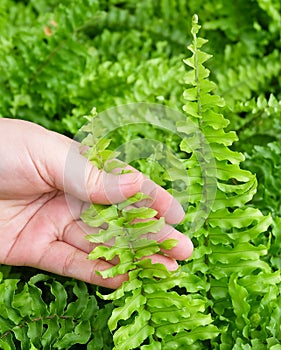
pixel 241 306
pixel 105 235
pixel 118 269
pixel 221 270
pixel 144 247
pixel 239 218
pixel 7 290
pixel 185 324
pixel 154 345
pixel 59 303
pixel 78 307
pixel 222 153
pixel 139 213
pixel 149 270
pixel 185 339
pixel 190 282
pixel 168 314
pixel 96 214
pixel 220 137
pixel 38 306
pixel 80 335
pixel 132 200
pixel 142 228
pixel 132 336
pixel 241 251
pixel 124 312
pixel 50 335
pixel 168 244
pixel 127 286
pixel 106 252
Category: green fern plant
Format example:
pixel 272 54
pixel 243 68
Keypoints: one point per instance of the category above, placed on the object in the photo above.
pixel 266 162
pixel 44 313
pixel 200 305
pixel 229 254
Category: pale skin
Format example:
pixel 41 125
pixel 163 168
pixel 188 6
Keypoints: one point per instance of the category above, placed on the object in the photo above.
pixel 45 184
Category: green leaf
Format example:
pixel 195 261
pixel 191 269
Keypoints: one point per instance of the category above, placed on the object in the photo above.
pixel 78 307
pixel 239 218
pixel 131 336
pixel 7 343
pixel 168 314
pixel 105 235
pixel 192 323
pixel 185 339
pixel 80 335
pixel 154 345
pixel 139 213
pixel 7 290
pixel 113 164
pixel 142 228
pixel 150 270
pixel 22 302
pixel 118 269
pixel 222 153
pixel 144 247
pixel 35 330
pixel 127 286
pixel 97 215
pixel 49 337
pixel 239 296
pixel 169 244
pixel 106 252
pixel 163 299
pixel 190 94
pixel 102 144
pixel 21 334
pixel 132 200
pixel 191 108
pixel 39 308
pixel 242 251
pixel 59 303
pixel 220 136
pixel 124 312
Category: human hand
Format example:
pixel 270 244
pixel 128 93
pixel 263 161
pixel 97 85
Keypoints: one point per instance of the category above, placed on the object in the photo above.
pixel 45 184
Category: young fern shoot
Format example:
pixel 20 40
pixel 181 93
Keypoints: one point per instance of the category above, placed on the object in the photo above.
pixel 126 224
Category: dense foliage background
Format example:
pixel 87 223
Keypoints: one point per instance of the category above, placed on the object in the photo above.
pixel 59 59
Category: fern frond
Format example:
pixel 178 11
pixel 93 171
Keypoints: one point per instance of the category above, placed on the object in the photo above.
pixel 226 250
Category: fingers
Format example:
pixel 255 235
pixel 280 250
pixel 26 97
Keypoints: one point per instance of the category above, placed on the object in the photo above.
pixel 162 201
pixel 71 172
pixel 74 237
pixel 75 234
pixel 182 250
pixel 86 182
pixel 48 161
pixel 60 164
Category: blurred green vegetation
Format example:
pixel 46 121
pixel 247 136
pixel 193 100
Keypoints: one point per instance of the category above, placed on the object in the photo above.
pixel 59 59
